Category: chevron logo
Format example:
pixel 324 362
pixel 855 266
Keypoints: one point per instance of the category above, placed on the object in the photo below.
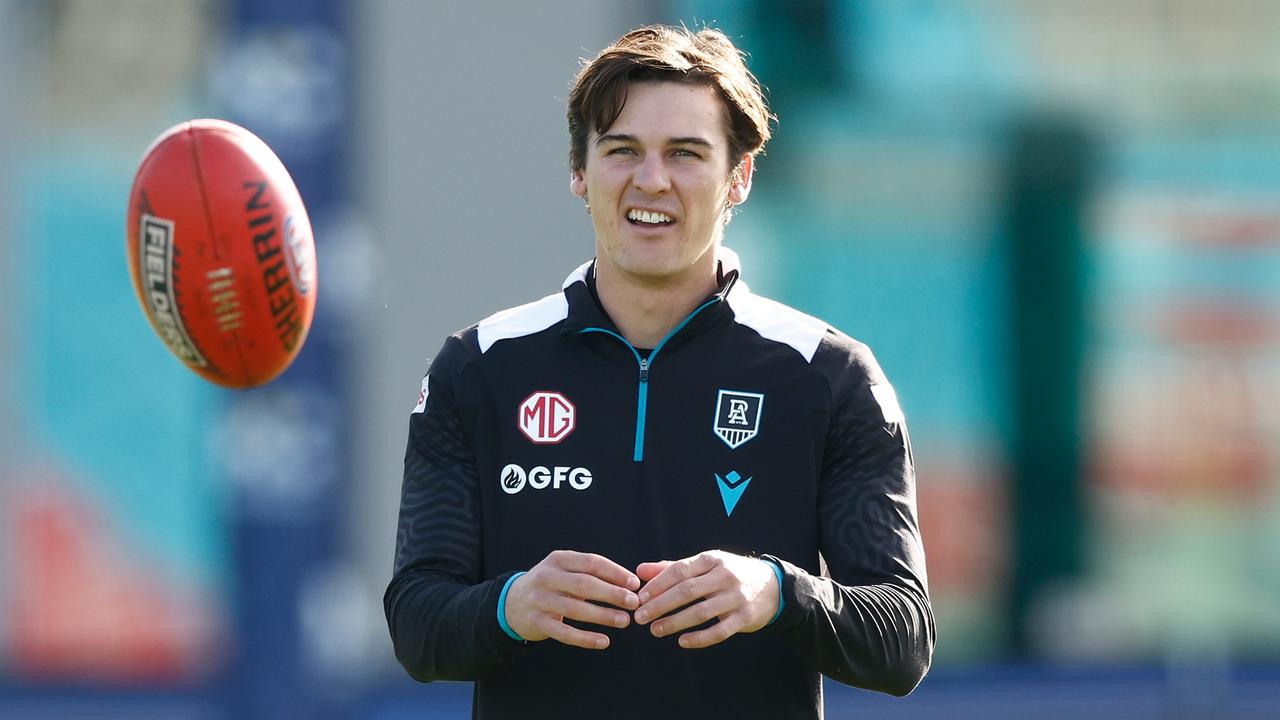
pixel 731 488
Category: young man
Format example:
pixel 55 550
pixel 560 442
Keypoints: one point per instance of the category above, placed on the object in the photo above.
pixel 616 498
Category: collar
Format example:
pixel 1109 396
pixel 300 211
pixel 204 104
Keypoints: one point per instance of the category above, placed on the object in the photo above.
pixel 585 309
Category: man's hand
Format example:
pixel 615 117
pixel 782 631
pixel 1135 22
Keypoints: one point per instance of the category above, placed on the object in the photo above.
pixel 741 591
pixel 560 587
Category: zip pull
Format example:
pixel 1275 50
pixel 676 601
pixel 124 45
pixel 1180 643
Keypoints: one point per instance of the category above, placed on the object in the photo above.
pixel 644 370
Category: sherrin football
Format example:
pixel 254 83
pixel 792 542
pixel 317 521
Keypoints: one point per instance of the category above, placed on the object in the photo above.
pixel 221 252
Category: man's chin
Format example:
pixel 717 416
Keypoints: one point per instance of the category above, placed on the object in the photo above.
pixel 655 267
pixel 653 273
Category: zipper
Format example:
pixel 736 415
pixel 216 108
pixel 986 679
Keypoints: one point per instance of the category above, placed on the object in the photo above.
pixel 642 405
pixel 642 393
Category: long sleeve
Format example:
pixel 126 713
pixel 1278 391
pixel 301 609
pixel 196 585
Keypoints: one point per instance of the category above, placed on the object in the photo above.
pixel 869 624
pixel 441 614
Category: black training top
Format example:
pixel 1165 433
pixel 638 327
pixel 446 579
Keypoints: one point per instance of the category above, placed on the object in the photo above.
pixel 751 428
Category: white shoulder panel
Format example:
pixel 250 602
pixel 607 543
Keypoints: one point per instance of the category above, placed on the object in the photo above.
pixel 523 320
pixel 579 274
pixel 777 322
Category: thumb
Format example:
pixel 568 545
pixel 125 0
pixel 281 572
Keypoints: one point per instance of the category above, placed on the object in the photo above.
pixel 648 571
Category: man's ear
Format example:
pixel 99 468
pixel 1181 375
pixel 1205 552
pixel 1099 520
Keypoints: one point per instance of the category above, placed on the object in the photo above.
pixel 740 182
pixel 577 184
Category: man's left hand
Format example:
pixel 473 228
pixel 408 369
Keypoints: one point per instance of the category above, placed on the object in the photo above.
pixel 741 592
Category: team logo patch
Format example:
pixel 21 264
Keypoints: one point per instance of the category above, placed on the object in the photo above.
pixel 738 416
pixel 731 487
pixel 547 417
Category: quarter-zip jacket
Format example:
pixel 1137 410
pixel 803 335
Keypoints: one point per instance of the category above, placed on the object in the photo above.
pixel 750 428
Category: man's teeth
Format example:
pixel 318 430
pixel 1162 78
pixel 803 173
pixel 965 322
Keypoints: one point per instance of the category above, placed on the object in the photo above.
pixel 652 218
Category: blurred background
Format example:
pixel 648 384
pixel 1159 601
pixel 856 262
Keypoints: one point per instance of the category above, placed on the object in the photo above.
pixel 1056 222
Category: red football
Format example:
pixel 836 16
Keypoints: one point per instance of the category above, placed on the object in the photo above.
pixel 221 252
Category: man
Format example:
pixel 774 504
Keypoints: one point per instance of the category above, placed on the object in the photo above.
pixel 616 498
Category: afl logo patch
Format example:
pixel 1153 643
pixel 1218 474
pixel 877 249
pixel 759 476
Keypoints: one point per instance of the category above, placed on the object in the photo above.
pixel 737 416
pixel 423 394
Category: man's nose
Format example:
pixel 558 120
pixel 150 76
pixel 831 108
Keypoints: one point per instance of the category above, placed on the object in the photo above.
pixel 652 176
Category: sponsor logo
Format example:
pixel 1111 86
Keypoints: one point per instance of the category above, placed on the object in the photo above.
pixel 276 275
pixel 737 416
pixel 422 395
pixel 547 417
pixel 731 487
pixel 156 255
pixel 514 478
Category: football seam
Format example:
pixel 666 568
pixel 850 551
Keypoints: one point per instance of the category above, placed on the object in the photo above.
pixel 213 241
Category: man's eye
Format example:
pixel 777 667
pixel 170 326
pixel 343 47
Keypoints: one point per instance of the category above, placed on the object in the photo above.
pixel 686 153
pixel 621 151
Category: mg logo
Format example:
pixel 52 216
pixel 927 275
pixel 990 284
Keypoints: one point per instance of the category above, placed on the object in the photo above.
pixel 547 417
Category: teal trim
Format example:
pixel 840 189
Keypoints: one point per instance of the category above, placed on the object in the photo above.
pixel 642 392
pixel 782 600
pixel 502 610
pixel 611 333
pixel 680 327
pixel 641 410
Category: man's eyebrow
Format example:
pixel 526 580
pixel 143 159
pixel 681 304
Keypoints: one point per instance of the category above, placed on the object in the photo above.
pixel 690 141
pixel 624 138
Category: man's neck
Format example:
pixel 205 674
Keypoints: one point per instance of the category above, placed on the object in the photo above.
pixel 646 311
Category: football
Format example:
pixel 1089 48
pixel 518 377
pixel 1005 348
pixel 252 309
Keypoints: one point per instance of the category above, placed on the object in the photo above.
pixel 221 252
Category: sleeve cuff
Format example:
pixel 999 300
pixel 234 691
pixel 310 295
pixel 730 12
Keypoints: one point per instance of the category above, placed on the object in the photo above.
pixel 782 601
pixel 502 609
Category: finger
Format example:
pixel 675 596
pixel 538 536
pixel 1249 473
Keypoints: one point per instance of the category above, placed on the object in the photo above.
pixel 728 626
pixel 677 596
pixel 569 635
pixel 668 589
pixel 715 606
pixel 674 573
pixel 589 587
pixel 597 565
pixel 575 609
pixel 647 571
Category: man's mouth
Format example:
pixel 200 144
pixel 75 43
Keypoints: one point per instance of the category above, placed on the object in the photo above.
pixel 649 218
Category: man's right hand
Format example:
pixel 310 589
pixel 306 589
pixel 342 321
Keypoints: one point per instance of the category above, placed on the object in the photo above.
pixel 560 587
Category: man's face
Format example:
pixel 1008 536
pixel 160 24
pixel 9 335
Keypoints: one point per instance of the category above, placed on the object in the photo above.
pixel 658 183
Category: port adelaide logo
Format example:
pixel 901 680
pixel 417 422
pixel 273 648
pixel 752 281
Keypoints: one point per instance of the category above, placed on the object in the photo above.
pixel 738 416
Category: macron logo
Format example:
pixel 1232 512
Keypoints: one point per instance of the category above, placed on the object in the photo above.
pixel 731 488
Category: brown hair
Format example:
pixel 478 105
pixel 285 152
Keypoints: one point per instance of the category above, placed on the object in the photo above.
pixel 661 53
